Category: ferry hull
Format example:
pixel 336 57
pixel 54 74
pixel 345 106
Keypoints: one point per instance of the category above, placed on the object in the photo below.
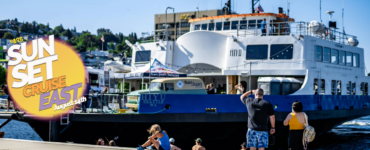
pixel 218 131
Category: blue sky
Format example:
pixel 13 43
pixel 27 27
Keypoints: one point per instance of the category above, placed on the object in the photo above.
pixel 128 16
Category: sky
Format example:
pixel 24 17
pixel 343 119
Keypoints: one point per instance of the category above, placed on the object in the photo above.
pixel 128 16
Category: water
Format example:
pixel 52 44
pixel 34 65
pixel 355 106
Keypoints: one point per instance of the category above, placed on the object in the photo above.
pixel 353 134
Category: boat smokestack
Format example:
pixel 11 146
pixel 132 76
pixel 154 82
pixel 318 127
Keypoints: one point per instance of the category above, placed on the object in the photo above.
pixel 280 10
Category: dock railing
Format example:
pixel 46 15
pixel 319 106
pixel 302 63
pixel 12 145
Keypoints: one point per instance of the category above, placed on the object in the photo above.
pixel 107 103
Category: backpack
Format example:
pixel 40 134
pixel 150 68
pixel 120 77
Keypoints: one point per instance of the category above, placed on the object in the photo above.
pixel 308 133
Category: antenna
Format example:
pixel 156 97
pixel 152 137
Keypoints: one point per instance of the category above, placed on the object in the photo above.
pixel 330 14
pixel 288 6
pixel 320 12
pixel 343 15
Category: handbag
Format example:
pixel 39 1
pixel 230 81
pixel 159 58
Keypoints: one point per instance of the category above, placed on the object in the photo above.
pixel 308 133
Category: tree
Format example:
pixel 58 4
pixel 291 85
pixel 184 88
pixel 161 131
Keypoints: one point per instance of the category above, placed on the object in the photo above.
pixel 2 75
pixel 59 29
pixel 119 48
pixel 8 36
pixel 368 74
pixel 16 20
pixel 67 33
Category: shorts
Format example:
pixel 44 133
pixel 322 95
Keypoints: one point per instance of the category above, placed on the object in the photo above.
pixel 257 139
pixel 9 99
pixel 161 148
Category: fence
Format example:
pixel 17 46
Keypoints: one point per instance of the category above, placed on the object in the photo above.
pixel 107 103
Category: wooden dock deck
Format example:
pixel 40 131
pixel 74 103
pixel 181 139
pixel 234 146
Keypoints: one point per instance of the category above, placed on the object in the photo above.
pixel 16 144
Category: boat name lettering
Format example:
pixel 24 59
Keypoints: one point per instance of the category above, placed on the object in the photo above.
pixel 335 67
pixel 196 84
pixel 158 99
pixel 235 52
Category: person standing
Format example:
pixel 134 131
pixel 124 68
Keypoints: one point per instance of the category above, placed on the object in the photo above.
pixel 173 146
pixel 296 121
pixel 198 145
pixel 211 89
pixel 86 94
pixel 163 142
pixel 239 88
pixel 6 91
pixel 259 111
pixel 263 27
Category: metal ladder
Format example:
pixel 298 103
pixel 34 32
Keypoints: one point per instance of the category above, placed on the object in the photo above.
pixel 65 118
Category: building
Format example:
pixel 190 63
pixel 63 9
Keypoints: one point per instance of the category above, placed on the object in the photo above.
pixel 173 20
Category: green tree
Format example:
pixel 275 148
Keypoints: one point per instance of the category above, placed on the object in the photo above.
pixel 67 33
pixel 8 36
pixel 2 75
pixel 59 29
pixel 111 46
pixel 119 48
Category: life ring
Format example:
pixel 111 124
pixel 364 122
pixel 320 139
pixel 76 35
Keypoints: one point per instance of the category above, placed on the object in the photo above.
pixel 327 32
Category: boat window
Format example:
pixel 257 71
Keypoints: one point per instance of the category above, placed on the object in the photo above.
pixel 259 24
pixel 356 60
pixel 234 25
pixel 257 52
pixel 94 79
pixel 353 88
pixel 318 53
pixel 243 24
pixel 197 27
pixel 315 86
pixel 211 26
pixel 281 51
pixel 219 26
pixel 169 86
pixel 349 88
pixel 251 24
pixel 227 25
pixel 349 59
pixel 333 87
pixel 362 89
pixel 326 55
pixel 342 57
pixel 156 86
pixel 322 87
pixel 339 87
pixel 334 56
pixel 204 26
pixel 142 56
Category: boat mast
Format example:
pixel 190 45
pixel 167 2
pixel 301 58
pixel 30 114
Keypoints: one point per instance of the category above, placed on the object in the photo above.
pixel 254 2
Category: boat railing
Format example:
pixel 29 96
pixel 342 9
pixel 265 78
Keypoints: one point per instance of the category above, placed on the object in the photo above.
pixel 290 28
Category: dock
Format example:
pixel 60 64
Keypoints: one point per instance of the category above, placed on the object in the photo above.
pixel 15 144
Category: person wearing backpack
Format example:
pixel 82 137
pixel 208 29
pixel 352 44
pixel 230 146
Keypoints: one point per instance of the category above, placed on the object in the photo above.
pixel 296 121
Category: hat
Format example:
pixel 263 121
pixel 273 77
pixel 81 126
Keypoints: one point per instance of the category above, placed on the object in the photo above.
pixel 172 140
pixel 198 140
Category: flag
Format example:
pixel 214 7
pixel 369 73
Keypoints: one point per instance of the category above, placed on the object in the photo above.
pixel 102 38
pixel 259 8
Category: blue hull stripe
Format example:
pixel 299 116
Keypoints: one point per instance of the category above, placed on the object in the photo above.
pixel 187 103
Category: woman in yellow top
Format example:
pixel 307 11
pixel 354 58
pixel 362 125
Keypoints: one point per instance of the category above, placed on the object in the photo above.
pixel 296 121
